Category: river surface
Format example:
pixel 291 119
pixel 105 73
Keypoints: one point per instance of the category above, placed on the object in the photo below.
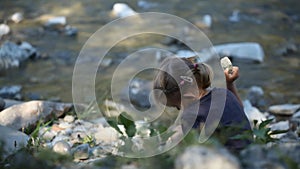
pixel 274 24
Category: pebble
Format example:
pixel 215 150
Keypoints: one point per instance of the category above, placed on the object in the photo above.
pixel 4 30
pixel 81 152
pixel 69 118
pixel 284 109
pixel 62 147
pixel 106 135
pixel 256 96
pixel 17 17
pixel 282 125
pixel 65 125
pixel 10 92
pixel 59 20
pixel 70 30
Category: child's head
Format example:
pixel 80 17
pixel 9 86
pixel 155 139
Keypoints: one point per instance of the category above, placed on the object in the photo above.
pixel 178 78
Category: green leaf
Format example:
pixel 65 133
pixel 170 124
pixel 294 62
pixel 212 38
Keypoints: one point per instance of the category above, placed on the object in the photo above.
pixel 263 124
pixel 113 123
pixel 273 132
pixel 128 124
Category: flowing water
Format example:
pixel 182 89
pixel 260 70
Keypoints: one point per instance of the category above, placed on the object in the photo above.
pixel 273 24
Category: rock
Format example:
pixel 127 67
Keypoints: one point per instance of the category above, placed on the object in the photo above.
pixel 69 118
pixel 235 16
pixel 264 157
pixel 139 91
pixel 256 96
pixel 205 22
pixel 17 17
pixel 297 115
pixel 106 62
pixel 244 50
pixel 12 55
pixel 287 49
pixel 9 103
pixel 70 30
pixel 185 53
pixel 284 109
pixel 65 125
pixel 106 135
pixel 54 21
pixel 146 5
pixel 26 114
pixel 11 92
pixel 198 157
pixel 47 134
pixel 253 113
pixel 81 152
pixel 122 10
pixel 282 125
pixel 62 147
pixel 2 104
pixel 4 30
pixel 11 141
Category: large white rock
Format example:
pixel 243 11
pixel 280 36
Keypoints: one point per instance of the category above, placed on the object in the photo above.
pixel 11 140
pixel 198 157
pixel 4 29
pixel 253 113
pixel 122 10
pixel 25 114
pixel 284 109
pixel 244 50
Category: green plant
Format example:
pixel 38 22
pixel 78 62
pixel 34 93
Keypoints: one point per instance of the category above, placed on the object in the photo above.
pixel 261 132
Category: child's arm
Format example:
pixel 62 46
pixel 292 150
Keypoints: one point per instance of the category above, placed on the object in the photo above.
pixel 230 78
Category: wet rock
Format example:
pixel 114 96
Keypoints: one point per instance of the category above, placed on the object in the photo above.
pixel 198 157
pixel 256 96
pixel 47 134
pixel 235 16
pixel 17 17
pixel 69 118
pixel 70 30
pixel 205 22
pixel 11 140
pixel 4 30
pixel 122 10
pixel 81 152
pixel 288 157
pixel 287 49
pixel 253 113
pixel 56 21
pixel 12 55
pixel 2 104
pixel 284 109
pixel 11 92
pixel 244 51
pixel 146 5
pixel 27 114
pixel 62 147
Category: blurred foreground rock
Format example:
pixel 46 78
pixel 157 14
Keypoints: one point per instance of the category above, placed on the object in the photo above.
pixel 26 114
pixel 11 141
pixel 198 157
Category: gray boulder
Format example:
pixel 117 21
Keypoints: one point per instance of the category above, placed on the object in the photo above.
pixel 11 141
pixel 26 114
pixel 284 109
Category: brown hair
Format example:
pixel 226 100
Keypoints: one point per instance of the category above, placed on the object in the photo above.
pixel 176 74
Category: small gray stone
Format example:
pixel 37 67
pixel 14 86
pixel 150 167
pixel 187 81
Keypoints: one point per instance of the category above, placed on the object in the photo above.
pixel 199 157
pixel 69 118
pixel 81 152
pixel 282 125
pixel 106 135
pixel 297 115
pixel 284 109
pixel 62 147
pixel 4 30
pixel 10 92
pixel 65 125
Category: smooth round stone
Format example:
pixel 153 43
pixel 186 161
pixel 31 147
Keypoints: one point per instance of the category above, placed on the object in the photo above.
pixel 81 152
pixel 65 125
pixel 69 118
pixel 62 147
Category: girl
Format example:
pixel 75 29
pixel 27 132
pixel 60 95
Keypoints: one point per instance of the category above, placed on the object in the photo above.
pixel 182 84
